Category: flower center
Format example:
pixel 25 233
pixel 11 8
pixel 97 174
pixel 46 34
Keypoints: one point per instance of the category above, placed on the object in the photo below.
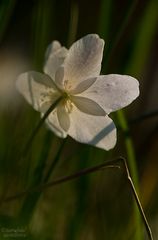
pixel 68 105
pixel 67 85
pixel 65 95
pixel 67 102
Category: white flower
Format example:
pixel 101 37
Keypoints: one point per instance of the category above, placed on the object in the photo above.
pixel 87 97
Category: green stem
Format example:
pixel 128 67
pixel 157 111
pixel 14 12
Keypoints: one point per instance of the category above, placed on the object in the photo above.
pixel 138 203
pixel 55 161
pixel 35 131
pixel 129 146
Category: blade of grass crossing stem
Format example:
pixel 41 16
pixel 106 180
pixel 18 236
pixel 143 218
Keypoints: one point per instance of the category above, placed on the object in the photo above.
pixel 29 205
pixel 108 164
pixel 71 38
pixel 30 201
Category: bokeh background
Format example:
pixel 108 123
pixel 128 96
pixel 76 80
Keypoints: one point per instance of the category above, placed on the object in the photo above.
pixel 100 205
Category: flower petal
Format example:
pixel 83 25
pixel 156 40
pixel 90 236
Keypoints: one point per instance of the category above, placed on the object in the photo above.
pixel 96 131
pixel 113 92
pixel 53 124
pixel 59 78
pixel 84 59
pixel 36 89
pixel 84 85
pixel 55 55
pixel 52 49
pixel 63 116
pixel 88 106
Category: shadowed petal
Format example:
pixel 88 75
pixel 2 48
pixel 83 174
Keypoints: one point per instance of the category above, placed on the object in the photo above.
pixel 55 56
pixel 52 49
pixel 36 88
pixel 88 106
pixel 84 85
pixel 53 124
pixel 59 78
pixel 63 117
pixel 97 131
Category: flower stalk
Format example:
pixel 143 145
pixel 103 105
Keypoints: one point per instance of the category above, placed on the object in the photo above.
pixel 39 125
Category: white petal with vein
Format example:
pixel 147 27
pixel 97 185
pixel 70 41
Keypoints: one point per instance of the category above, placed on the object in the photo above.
pixel 82 86
pixel 84 59
pixel 113 92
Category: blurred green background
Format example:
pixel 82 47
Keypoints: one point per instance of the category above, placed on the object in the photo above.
pixel 100 205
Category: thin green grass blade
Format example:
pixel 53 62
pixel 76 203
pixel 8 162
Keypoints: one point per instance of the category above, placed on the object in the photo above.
pixel 6 10
pixel 41 19
pixel 115 42
pixel 129 146
pixel 104 19
pixel 133 169
pixel 73 23
pixel 143 42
